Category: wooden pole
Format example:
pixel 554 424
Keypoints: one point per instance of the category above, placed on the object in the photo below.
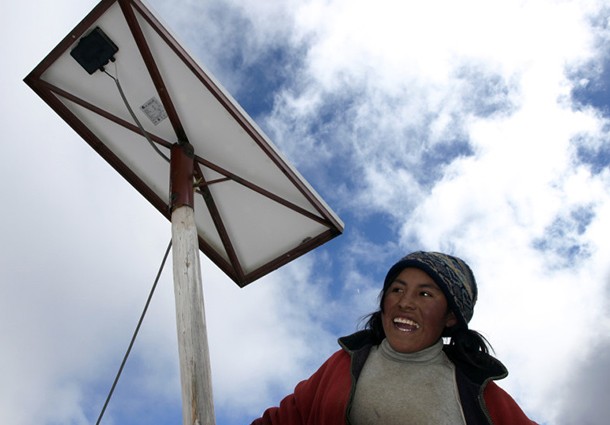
pixel 195 371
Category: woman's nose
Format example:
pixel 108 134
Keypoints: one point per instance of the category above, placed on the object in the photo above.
pixel 407 301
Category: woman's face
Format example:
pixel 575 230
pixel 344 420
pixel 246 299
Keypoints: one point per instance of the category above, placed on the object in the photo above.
pixel 415 312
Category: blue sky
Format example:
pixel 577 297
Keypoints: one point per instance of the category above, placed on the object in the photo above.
pixel 480 128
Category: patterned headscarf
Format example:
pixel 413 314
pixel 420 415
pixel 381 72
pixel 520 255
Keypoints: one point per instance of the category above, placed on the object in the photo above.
pixel 451 274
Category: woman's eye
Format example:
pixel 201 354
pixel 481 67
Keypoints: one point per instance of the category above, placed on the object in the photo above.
pixel 426 294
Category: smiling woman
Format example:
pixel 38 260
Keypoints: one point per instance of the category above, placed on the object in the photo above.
pixel 398 370
pixel 415 312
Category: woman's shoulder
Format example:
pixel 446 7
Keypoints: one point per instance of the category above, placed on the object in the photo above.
pixel 503 408
pixel 357 341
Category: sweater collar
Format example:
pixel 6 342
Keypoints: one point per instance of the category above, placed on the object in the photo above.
pixel 427 355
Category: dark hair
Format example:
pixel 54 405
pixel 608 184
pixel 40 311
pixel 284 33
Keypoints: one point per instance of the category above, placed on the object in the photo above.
pixel 468 345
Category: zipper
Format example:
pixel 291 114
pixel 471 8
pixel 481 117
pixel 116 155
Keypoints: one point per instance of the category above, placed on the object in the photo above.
pixel 351 392
pixel 481 400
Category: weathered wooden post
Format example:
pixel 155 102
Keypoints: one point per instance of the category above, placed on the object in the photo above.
pixel 195 370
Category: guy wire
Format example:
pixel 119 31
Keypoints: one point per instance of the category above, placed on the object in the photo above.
pixel 135 334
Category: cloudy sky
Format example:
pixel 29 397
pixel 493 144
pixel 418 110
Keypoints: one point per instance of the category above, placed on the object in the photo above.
pixel 478 128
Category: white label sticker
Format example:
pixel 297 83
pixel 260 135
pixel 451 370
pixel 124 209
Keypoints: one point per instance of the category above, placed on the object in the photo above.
pixel 154 110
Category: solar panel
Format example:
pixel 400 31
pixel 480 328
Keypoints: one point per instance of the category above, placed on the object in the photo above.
pixel 254 212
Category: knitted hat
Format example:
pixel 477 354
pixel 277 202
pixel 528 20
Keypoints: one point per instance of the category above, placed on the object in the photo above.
pixel 451 274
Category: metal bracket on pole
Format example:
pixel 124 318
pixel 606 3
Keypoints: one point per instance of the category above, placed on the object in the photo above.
pixel 195 370
pixel 181 175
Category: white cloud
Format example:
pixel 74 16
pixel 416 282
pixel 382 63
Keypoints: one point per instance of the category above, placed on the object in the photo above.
pixel 522 176
pixel 260 336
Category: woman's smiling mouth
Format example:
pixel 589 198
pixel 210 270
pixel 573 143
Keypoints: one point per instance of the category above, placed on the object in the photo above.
pixel 405 325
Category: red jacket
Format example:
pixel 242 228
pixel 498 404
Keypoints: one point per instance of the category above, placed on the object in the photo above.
pixel 325 398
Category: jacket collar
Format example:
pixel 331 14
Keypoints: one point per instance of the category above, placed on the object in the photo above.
pixel 490 368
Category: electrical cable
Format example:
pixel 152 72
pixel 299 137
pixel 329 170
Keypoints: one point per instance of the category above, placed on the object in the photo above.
pixel 135 334
pixel 133 115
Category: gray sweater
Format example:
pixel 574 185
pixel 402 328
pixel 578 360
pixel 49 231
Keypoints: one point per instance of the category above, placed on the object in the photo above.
pixel 407 389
